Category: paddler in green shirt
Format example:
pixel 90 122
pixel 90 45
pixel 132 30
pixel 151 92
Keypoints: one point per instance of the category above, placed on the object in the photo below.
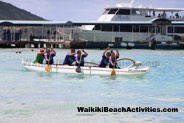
pixel 40 56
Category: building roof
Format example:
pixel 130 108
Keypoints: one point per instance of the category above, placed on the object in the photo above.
pixel 29 23
pixel 75 23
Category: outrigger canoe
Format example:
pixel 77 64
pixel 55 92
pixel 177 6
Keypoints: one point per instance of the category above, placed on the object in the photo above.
pixel 133 69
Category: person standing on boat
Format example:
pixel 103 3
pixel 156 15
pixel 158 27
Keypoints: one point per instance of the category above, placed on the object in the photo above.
pixel 49 56
pixel 40 56
pixel 48 35
pixel 164 15
pixel 79 58
pixel 70 58
pixel 54 35
pixel 153 13
pixel 113 59
pixel 177 15
pixel 105 58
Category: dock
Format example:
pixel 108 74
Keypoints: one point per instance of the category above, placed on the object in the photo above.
pixel 91 44
pixel 34 44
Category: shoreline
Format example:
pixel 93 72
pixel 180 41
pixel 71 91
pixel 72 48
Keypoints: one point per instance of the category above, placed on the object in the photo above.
pixel 93 45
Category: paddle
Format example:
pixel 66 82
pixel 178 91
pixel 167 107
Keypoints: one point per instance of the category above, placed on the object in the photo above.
pixel 47 67
pixel 78 69
pixel 113 72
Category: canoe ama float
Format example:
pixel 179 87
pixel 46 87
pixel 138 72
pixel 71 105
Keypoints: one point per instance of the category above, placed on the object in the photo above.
pixel 133 69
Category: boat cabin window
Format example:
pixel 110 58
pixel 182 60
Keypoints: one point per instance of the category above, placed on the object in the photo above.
pixel 123 12
pixel 135 12
pixel 179 29
pixel 118 39
pixel 126 28
pixel 133 28
pixel 107 28
pixel 106 11
pixel 112 11
pixel 172 29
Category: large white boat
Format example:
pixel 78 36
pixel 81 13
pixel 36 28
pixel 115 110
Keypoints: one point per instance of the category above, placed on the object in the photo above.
pixel 133 24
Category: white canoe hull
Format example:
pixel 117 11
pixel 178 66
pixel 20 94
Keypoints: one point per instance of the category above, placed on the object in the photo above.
pixel 86 70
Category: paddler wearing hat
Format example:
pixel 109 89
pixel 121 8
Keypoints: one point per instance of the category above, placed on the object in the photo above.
pixel 40 56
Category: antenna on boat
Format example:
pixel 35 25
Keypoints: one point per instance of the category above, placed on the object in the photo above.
pixel 123 4
pixel 131 3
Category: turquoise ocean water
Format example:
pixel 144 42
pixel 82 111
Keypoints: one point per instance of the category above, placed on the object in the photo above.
pixel 39 97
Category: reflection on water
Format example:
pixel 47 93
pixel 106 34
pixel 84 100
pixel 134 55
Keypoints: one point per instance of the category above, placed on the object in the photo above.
pixel 29 96
pixel 75 76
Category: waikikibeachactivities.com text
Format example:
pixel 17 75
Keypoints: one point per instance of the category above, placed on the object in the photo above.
pixel 125 109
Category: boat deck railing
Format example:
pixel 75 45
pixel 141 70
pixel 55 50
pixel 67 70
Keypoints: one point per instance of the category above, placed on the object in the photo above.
pixel 174 18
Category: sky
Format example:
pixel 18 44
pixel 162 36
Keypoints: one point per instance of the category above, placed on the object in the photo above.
pixel 82 10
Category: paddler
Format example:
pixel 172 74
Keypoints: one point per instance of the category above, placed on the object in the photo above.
pixel 105 58
pixel 49 55
pixel 70 58
pixel 79 58
pixel 113 59
pixel 40 56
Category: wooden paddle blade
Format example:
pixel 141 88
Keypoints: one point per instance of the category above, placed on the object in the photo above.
pixel 113 72
pixel 47 68
pixel 78 69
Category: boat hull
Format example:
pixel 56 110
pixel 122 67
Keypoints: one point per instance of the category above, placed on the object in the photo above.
pixel 88 70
